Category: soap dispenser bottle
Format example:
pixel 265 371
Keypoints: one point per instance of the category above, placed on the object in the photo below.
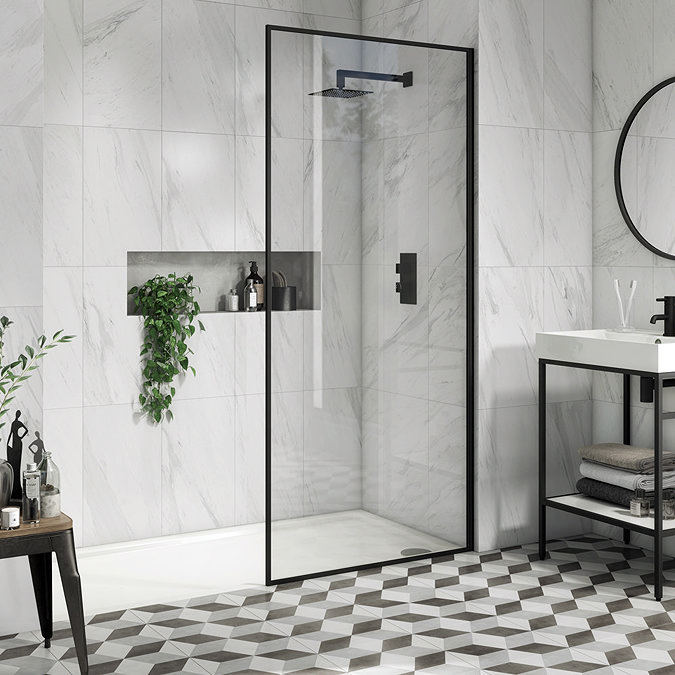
pixel 257 282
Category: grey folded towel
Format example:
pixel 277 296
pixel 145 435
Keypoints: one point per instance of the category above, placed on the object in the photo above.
pixel 608 493
pixel 626 457
pixel 624 479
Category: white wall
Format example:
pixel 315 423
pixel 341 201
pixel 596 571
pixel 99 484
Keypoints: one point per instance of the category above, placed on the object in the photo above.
pixel 154 140
pixel 21 72
pixel 633 49
pixel 534 251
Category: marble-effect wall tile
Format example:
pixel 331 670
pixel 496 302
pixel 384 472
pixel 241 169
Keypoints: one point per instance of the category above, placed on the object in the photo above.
pixel 198 90
pixel 287 197
pixel 346 9
pixel 405 110
pixel 213 360
pixel 568 85
pixel 249 193
pixel 447 335
pixel 513 177
pixel 622 59
pixel 111 340
pixel 250 72
pixel 62 195
pixel 664 40
pixel 372 202
pixel 63 310
pixel 121 468
pixel 21 62
pixel 198 201
pixel 454 22
pixel 332 451
pixel 405 473
pixel 63 438
pixel 63 64
pixel 332 201
pixel 287 361
pixel 613 242
pixel 122 63
pixel 287 459
pixel 406 217
pixel 568 198
pixel 198 466
pixel 405 349
pixel 249 353
pixel 508 441
pixel 510 314
pixel 122 194
pixel 510 86
pixel 249 443
pixel 447 197
pixel 567 306
pixel 332 337
pixel 21 196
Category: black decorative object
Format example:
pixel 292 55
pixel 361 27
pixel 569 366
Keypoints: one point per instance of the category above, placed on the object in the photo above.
pixel 15 452
pixel 407 287
pixel 39 448
pixel 284 297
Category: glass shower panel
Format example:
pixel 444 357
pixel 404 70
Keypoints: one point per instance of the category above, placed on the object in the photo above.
pixel 367 380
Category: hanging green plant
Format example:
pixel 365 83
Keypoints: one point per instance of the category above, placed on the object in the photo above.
pixel 169 309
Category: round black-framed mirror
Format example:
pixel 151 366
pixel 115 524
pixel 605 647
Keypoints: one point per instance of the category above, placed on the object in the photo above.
pixel 642 234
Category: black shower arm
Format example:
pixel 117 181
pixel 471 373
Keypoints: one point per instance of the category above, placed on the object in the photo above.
pixel 406 78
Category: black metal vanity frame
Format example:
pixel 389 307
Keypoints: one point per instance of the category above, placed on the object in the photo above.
pixel 657 531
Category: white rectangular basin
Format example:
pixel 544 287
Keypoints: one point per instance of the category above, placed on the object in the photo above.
pixel 643 350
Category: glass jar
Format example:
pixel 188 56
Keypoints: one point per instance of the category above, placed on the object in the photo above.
pixel 50 487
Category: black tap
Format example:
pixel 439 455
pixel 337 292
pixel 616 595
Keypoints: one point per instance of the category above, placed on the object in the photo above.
pixel 668 316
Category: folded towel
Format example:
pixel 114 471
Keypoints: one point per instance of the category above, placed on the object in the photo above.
pixel 624 479
pixel 608 493
pixel 626 457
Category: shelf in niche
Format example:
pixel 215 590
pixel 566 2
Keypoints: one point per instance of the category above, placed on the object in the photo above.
pixel 216 272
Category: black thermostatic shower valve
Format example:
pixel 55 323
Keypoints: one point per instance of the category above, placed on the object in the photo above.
pixel 407 287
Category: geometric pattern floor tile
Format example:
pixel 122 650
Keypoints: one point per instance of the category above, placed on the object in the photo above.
pixel 587 608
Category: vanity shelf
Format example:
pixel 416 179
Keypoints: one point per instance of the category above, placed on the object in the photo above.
pixel 576 349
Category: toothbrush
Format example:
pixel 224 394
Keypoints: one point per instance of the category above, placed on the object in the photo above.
pixel 618 297
pixel 633 286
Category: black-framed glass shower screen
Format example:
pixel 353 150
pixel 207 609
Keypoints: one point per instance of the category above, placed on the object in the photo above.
pixel 369 301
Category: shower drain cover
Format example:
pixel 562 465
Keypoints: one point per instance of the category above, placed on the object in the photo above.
pixel 414 551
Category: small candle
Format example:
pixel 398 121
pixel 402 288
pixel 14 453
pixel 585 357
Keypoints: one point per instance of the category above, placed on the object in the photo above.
pixel 9 518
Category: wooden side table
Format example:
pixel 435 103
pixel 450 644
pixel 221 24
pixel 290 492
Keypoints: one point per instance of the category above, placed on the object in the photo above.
pixel 38 542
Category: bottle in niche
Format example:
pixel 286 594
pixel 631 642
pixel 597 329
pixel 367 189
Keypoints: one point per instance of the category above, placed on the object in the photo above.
pixel 50 487
pixel 232 303
pixel 30 512
pixel 257 282
pixel 668 503
pixel 639 505
pixel 250 297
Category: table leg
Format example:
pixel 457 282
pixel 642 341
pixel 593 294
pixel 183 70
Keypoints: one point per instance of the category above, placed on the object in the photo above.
pixel 542 460
pixel 41 574
pixel 64 547
pixel 658 496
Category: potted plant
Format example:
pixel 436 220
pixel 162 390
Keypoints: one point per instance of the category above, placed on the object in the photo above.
pixel 12 376
pixel 169 309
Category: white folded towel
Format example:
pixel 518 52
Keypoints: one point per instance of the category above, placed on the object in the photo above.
pixel 625 479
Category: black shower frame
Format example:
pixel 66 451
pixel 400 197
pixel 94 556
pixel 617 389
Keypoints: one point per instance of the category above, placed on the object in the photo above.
pixel 470 301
